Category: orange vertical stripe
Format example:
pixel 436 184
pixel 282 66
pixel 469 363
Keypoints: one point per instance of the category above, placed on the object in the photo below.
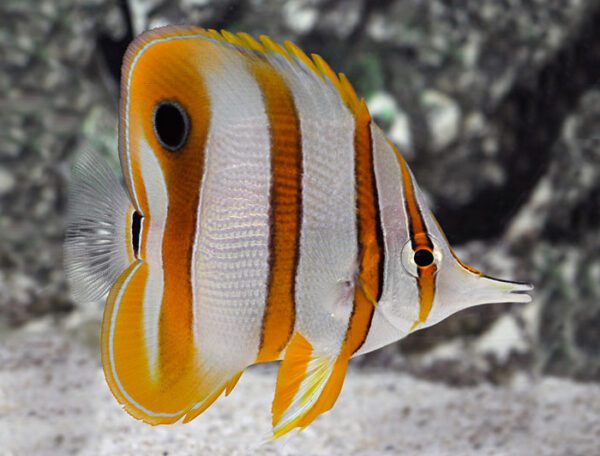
pixel 126 366
pixel 418 232
pixel 183 171
pixel 130 56
pixel 286 210
pixel 371 249
pixel 419 240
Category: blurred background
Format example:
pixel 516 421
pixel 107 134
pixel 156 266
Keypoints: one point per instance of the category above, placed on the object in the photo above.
pixel 496 106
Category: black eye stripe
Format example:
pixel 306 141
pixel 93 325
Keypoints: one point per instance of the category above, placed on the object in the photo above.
pixel 171 125
pixel 423 258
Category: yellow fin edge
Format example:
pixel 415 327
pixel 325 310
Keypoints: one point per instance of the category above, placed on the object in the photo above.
pixel 265 45
pixel 305 377
pixel 206 403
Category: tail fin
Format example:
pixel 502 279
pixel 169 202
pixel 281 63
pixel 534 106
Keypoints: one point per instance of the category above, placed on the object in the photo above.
pixel 98 235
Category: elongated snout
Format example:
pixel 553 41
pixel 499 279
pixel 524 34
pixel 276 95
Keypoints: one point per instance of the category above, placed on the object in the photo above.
pixel 458 288
pixel 488 290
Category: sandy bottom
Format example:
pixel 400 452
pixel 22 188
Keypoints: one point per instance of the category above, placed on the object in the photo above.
pixel 54 401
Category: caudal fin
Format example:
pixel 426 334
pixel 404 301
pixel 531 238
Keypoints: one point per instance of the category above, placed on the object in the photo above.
pixel 98 235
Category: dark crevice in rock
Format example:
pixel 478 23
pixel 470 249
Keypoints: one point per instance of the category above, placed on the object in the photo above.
pixel 368 9
pixel 233 14
pixel 530 119
pixel 584 217
pixel 587 338
pixel 113 50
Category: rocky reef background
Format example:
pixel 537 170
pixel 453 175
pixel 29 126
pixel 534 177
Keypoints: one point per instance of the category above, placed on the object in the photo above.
pixel 495 104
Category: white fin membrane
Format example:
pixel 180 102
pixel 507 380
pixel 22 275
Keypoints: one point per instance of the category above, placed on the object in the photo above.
pixel 96 236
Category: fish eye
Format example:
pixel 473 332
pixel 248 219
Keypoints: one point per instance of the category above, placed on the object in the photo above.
pixel 423 258
pixel 171 125
pixel 415 260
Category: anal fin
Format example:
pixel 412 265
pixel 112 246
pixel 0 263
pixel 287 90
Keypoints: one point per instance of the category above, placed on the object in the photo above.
pixel 208 401
pixel 308 384
pixel 232 382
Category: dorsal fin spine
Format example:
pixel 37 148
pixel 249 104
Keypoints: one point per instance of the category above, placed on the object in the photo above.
pixel 273 46
pixel 214 34
pixel 233 39
pixel 250 43
pixel 326 71
pixel 295 51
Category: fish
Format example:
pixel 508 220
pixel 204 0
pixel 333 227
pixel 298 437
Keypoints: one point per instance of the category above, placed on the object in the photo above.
pixel 263 216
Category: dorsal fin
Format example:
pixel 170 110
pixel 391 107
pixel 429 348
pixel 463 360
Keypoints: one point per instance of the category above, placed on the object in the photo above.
pixel 266 46
pixel 298 57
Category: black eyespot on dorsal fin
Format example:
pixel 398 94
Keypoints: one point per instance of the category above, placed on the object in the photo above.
pixel 171 125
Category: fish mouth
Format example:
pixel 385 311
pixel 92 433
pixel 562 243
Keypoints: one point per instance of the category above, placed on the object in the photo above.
pixel 500 290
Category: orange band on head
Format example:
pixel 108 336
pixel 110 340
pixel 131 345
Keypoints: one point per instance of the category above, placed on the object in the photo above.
pixel 420 240
pixel 182 83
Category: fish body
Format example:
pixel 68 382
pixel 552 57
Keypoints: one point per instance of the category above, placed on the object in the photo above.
pixel 266 217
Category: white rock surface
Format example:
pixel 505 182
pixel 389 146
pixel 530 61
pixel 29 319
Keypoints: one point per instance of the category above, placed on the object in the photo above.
pixel 443 116
pixel 54 401
pixel 7 181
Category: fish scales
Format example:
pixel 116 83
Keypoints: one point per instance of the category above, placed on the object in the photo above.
pixel 266 217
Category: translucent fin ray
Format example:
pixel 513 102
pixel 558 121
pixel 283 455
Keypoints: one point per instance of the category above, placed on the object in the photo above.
pixel 308 385
pixel 97 234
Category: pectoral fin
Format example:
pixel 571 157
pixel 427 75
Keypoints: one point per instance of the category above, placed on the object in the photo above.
pixel 308 384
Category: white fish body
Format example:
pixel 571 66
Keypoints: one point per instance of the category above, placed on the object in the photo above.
pixel 268 218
